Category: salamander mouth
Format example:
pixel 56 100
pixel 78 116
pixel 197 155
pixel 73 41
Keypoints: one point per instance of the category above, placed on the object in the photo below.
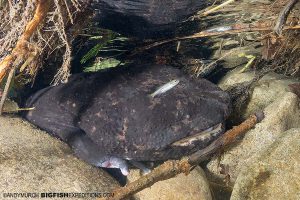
pixel 204 136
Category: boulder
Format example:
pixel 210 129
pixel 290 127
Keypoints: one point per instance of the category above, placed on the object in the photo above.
pixel 193 186
pixel 33 161
pixel 280 116
pixel 266 91
pixel 275 174
pixel 235 53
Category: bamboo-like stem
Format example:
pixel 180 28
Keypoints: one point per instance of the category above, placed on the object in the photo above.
pixel 206 33
pixel 218 7
pixel 6 89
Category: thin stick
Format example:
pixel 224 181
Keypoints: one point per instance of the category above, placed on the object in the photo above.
pixel 212 33
pixel 282 17
pixel 167 170
pixel 17 110
pixel 170 169
pixel 226 139
pixel 218 7
pixel 6 89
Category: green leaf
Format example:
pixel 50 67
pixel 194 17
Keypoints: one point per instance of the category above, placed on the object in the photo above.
pixel 104 64
pixel 106 41
pixel 92 53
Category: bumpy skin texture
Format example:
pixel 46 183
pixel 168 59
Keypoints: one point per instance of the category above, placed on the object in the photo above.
pixel 144 18
pixel 115 110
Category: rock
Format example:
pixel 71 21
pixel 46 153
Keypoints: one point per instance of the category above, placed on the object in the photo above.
pixel 234 77
pixel 280 116
pixel 233 50
pixel 193 187
pixel 220 192
pixel 33 161
pixel 275 174
pixel 10 106
pixel 266 91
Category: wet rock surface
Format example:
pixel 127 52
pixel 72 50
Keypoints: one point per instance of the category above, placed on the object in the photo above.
pixel 233 52
pixel 275 174
pixel 266 91
pixel 280 116
pixel 193 187
pixel 33 161
pixel 243 165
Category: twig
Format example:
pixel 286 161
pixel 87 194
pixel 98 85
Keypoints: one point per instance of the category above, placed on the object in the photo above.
pixel 69 12
pixel 218 7
pixel 170 169
pixel 6 89
pixel 226 139
pixel 19 50
pixel 17 110
pixel 208 33
pixel 283 16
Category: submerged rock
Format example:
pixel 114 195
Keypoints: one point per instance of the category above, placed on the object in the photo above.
pixel 32 161
pixel 193 186
pixel 275 174
pixel 280 116
pixel 112 114
pixel 281 107
pixel 266 91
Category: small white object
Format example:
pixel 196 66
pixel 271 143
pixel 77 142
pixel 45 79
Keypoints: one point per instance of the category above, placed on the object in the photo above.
pixel 220 29
pixel 164 88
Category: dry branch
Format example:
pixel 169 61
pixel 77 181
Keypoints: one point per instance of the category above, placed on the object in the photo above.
pixel 170 169
pixel 6 89
pixel 207 33
pixel 283 16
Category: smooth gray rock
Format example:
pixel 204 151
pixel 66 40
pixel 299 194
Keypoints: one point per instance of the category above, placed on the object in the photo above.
pixel 194 186
pixel 266 91
pixel 33 161
pixel 275 174
pixel 280 116
pixel 232 51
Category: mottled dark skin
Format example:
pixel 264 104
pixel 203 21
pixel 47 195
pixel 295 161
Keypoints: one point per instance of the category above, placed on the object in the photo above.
pixel 144 18
pixel 113 110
